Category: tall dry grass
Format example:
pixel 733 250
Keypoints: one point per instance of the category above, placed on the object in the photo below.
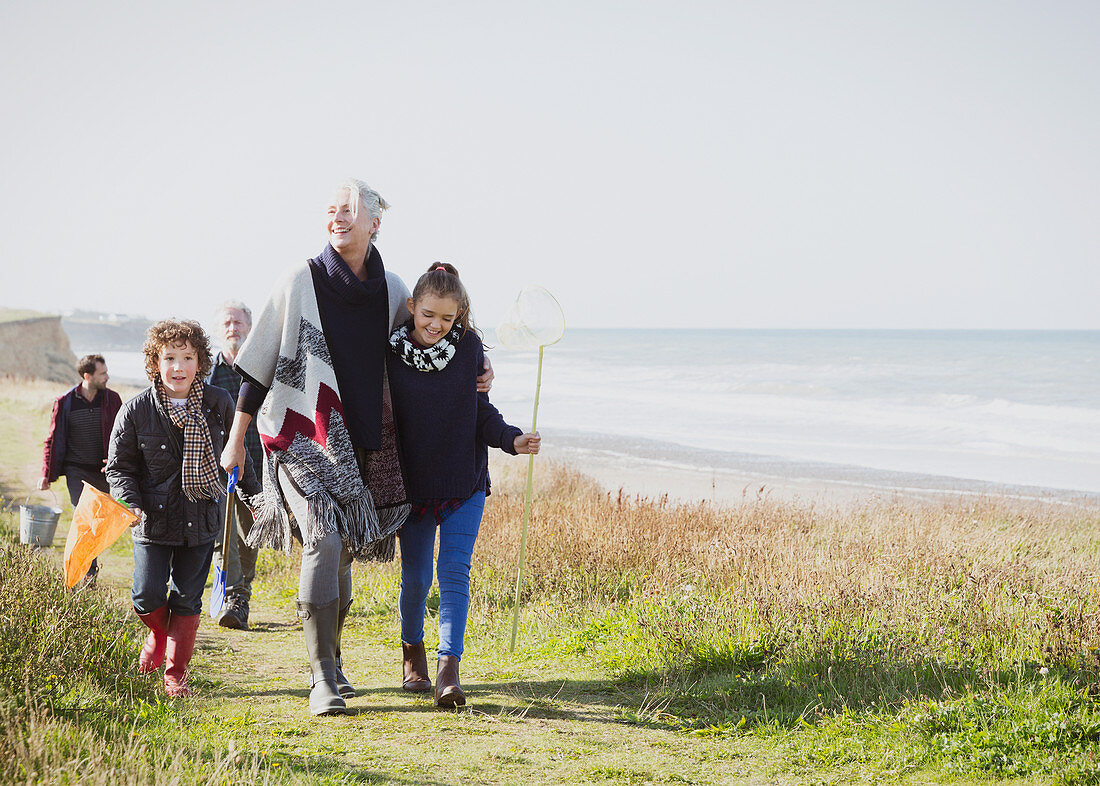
pixel 995 583
pixel 773 612
pixel 995 580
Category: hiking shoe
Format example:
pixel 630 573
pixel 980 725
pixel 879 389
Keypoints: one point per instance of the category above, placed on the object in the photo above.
pixel 234 616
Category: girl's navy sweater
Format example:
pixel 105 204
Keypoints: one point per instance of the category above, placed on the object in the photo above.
pixel 445 427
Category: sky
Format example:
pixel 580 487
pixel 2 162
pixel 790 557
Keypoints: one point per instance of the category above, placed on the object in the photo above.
pixel 695 164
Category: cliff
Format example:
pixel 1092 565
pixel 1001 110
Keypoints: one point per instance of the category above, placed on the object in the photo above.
pixel 35 347
pixel 106 332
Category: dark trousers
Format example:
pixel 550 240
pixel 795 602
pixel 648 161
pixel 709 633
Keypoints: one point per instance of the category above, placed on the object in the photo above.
pixel 241 567
pixel 175 575
pixel 74 479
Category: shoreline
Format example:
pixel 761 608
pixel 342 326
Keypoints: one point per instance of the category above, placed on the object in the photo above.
pixel 649 468
pixel 654 469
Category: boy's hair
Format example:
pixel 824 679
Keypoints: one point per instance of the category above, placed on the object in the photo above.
pixel 442 280
pixel 88 363
pixel 176 331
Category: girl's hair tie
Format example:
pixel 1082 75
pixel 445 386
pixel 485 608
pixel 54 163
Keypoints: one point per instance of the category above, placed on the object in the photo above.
pixel 441 268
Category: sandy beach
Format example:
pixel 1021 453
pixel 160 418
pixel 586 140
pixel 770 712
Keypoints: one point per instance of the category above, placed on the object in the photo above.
pixel 654 469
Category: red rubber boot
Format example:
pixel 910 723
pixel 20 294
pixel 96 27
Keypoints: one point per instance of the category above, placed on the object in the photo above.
pixel 152 652
pixel 181 644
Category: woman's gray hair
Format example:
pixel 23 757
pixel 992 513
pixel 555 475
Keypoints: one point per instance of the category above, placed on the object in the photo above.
pixel 237 305
pixel 368 198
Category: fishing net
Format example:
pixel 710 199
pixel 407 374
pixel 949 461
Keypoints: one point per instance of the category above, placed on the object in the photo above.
pixel 534 320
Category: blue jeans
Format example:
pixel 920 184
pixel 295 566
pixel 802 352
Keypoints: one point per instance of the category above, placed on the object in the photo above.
pixel 185 566
pixel 457 534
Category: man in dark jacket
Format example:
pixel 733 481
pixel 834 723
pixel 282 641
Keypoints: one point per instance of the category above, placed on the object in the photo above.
pixel 234 321
pixel 80 430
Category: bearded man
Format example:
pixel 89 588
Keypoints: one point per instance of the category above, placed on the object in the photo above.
pixel 80 431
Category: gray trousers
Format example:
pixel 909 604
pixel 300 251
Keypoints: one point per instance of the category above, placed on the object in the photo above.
pixel 241 567
pixel 326 566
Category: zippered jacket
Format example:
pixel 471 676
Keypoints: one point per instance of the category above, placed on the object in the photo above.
pixel 145 469
pixel 53 453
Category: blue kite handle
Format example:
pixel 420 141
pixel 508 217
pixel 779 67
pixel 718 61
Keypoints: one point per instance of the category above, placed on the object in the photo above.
pixel 233 476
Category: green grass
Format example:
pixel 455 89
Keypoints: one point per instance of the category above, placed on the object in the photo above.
pixel 14 314
pixel 72 706
pixel 658 644
pixel 594 695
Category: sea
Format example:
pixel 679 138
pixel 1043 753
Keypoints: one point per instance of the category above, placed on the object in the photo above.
pixel 891 408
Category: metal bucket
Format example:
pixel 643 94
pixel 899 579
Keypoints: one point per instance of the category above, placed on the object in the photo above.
pixel 38 523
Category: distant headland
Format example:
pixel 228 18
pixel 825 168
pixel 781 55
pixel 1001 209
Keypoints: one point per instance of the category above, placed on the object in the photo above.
pixel 37 345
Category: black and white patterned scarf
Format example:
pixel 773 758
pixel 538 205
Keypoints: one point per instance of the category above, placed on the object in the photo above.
pixel 433 358
pixel 200 471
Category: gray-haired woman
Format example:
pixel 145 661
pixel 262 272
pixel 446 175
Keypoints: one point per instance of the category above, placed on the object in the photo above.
pixel 314 378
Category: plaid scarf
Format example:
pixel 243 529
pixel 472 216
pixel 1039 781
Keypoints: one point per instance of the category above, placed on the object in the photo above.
pixel 200 471
pixel 433 358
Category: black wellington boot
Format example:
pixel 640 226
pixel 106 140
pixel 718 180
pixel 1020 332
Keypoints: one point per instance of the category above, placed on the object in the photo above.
pixel 321 625
pixel 347 690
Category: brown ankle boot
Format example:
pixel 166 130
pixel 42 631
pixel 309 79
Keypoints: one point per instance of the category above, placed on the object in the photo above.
pixel 448 693
pixel 415 668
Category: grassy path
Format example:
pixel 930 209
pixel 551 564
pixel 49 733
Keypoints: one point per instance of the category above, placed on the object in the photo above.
pixel 528 720
pixel 545 719
pixel 915 643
